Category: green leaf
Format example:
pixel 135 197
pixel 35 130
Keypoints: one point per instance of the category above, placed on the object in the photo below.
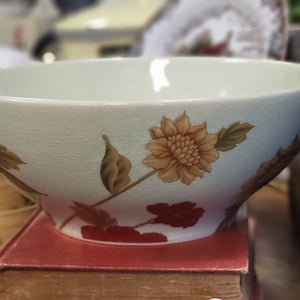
pixel 9 160
pixel 114 168
pixel 93 216
pixel 229 137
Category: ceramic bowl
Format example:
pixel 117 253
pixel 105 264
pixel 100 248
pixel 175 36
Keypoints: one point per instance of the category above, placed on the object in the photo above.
pixel 147 151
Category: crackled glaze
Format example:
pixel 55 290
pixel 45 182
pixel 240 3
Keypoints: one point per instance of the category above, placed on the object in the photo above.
pixel 164 156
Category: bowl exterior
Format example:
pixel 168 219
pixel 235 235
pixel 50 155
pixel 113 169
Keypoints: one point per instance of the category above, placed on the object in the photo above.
pixel 146 173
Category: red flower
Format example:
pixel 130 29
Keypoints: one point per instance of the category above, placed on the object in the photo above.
pixel 177 215
pixel 121 234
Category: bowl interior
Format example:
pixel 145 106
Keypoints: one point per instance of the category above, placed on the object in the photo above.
pixel 145 79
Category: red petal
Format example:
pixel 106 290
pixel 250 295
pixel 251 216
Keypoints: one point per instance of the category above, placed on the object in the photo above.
pixel 121 234
pixel 183 205
pixel 92 233
pixel 153 237
pixel 158 208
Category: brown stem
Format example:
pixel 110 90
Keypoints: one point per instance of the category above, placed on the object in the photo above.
pixel 125 189
pixel 232 210
pixel 20 184
pixel 71 217
pixel 144 223
pixel 227 221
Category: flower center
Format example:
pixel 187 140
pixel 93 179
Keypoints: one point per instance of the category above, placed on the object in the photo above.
pixel 184 149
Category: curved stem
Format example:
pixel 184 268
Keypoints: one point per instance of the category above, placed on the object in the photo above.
pixel 126 188
pixel 20 184
pixel 144 223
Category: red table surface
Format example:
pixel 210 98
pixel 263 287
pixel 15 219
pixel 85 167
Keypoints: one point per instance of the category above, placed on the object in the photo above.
pixel 39 245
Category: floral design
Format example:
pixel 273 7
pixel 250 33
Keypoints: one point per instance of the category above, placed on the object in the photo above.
pixel 182 214
pixel 93 216
pixel 181 151
pixel 121 234
pixel 105 228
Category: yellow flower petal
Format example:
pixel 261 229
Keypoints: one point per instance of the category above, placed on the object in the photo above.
pixel 208 142
pixel 186 176
pixel 157 163
pixel 198 132
pixel 164 154
pixel 196 128
pixel 156 132
pixel 195 170
pixel 162 141
pixel 182 123
pixel 168 127
pixel 158 147
pixel 205 165
pixel 210 156
pixel 169 175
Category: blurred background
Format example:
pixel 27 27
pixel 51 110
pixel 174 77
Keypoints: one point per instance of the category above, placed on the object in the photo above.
pixel 53 30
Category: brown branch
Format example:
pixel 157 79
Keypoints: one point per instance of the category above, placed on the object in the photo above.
pixel 20 184
pixel 265 173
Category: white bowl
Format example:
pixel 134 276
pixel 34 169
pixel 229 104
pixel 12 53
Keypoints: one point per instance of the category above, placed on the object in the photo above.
pixel 145 151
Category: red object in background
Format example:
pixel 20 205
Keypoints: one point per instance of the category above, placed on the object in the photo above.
pixel 18 36
pixel 215 50
pixel 39 245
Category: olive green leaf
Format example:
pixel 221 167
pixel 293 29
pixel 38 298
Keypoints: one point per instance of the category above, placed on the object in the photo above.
pixel 93 216
pixel 232 135
pixel 114 168
pixel 9 160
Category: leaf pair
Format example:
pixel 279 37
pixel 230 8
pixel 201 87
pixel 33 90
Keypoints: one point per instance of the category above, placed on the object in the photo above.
pixel 229 137
pixel 114 174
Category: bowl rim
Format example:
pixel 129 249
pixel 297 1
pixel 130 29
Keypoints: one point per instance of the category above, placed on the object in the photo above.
pixel 122 102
